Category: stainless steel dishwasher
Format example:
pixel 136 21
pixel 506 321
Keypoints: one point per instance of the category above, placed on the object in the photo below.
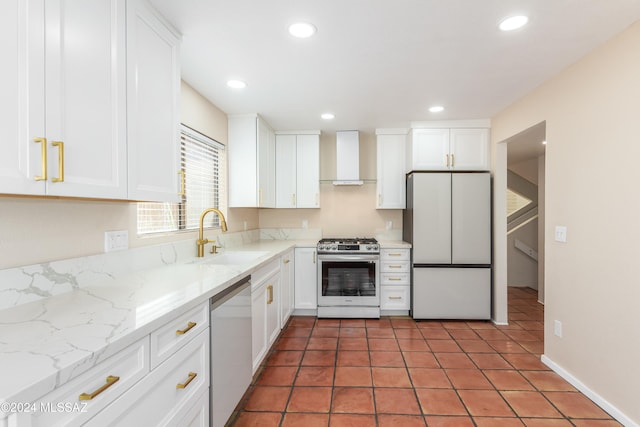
pixel 230 349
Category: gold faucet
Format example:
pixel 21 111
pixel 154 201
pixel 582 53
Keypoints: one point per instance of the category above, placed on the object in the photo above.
pixel 201 240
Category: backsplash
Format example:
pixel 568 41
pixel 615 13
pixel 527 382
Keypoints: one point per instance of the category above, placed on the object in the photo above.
pixel 21 285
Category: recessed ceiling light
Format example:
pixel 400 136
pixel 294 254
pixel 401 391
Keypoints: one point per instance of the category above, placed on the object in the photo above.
pixel 302 30
pixel 328 116
pixel 436 108
pixel 513 22
pixel 236 84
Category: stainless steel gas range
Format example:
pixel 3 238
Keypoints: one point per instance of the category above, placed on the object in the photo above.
pixel 349 278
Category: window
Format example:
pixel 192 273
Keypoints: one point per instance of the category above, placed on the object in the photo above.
pixel 202 162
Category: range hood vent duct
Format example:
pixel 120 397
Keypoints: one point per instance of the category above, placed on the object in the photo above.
pixel 347 158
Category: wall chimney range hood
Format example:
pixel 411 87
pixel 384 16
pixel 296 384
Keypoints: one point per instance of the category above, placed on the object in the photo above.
pixel 347 158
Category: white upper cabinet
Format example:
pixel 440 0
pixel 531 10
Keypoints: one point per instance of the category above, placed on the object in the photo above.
pixel 153 96
pixel 65 108
pixel 298 170
pixel 462 149
pixel 391 157
pixel 252 176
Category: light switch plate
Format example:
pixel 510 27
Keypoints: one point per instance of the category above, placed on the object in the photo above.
pixel 561 233
pixel 116 240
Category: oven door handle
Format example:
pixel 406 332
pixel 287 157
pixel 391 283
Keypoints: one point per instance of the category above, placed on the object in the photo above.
pixel 336 257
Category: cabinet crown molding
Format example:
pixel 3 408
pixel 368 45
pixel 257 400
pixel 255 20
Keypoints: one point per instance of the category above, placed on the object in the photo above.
pixel 392 131
pixel 299 132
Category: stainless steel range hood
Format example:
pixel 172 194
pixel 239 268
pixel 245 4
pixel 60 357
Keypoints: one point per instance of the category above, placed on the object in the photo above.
pixel 347 158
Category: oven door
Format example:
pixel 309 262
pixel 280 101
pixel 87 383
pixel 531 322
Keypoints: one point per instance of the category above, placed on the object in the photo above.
pixel 348 280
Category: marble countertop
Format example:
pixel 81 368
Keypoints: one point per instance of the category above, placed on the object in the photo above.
pixel 45 343
pixel 394 244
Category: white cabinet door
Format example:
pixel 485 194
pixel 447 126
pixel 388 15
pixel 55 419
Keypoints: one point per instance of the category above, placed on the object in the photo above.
pixel 22 100
pixel 71 93
pixel 153 86
pixel 272 319
pixel 86 98
pixel 297 171
pixel 469 149
pixel 432 218
pixel 429 150
pixel 286 174
pixel 308 171
pixel 287 280
pixel 266 165
pixel 306 277
pixel 391 156
pixel 471 218
pixel 258 325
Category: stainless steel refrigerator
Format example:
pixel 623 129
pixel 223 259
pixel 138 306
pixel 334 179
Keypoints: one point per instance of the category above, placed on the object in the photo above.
pixel 448 223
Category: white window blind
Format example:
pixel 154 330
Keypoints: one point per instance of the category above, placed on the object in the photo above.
pixel 202 161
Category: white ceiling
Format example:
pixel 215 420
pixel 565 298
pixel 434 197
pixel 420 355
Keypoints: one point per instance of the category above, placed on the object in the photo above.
pixel 382 63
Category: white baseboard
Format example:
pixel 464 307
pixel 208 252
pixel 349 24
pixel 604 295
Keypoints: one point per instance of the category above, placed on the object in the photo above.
pixel 595 397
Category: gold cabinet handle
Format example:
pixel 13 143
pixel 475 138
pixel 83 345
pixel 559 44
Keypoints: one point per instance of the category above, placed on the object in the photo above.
pixel 314 257
pixel 395 279
pixel 260 197
pixel 43 155
pixel 286 261
pixel 190 326
pixel 182 183
pixel 293 199
pixel 395 297
pixel 111 380
pixel 379 199
pixel 60 146
pixel 394 254
pixel 270 290
pixel 192 376
pixel 453 158
pixel 447 156
pixel 395 266
pixel 317 199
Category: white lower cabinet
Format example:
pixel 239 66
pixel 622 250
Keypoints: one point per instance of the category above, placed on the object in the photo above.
pixel 166 395
pixel 395 279
pixel 265 315
pixel 93 390
pixel 306 278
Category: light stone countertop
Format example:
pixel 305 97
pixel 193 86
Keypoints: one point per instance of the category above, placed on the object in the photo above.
pixel 45 343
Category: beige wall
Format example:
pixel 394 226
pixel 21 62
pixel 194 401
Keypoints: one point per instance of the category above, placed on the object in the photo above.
pixel 34 230
pixel 591 112
pixel 345 211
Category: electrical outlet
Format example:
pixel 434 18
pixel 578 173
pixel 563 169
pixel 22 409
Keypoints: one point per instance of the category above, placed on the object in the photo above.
pixel 389 225
pixel 116 240
pixel 561 233
pixel 557 328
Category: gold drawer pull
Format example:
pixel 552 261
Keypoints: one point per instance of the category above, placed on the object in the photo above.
pixel 111 380
pixel 43 158
pixel 395 278
pixel 190 326
pixel 395 254
pixel 286 261
pixel 395 266
pixel 395 297
pixel 192 376
pixel 60 146
pixel 270 290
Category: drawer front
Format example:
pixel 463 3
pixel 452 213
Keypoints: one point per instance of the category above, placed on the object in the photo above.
pixel 128 365
pixel 394 298
pixel 397 266
pixel 259 276
pixel 168 339
pixel 394 279
pixel 166 393
pixel 390 255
